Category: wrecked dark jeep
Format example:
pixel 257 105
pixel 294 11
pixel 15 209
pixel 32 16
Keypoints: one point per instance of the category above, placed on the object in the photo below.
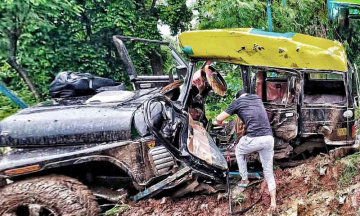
pixel 119 144
pixel 155 139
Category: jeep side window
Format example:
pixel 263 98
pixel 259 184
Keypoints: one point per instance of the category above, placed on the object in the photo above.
pixel 325 76
pixel 321 88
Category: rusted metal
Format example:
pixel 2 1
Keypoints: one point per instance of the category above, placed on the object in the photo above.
pixel 329 122
pixel 283 121
pixel 283 153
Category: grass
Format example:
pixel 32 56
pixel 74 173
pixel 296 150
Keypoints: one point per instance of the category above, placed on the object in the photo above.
pixel 2 150
pixel 351 169
pixel 118 209
pixel 240 198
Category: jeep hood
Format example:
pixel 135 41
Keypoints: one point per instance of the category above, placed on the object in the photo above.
pixel 94 122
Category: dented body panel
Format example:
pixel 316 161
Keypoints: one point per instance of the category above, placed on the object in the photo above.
pixel 329 122
pixel 260 48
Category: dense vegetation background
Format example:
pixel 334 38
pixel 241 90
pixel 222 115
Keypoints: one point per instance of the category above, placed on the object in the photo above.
pixel 39 38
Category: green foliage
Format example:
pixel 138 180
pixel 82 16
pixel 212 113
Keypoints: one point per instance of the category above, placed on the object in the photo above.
pixel 302 16
pixel 351 169
pixel 76 35
pixel 240 198
pixel 216 104
pixel 214 14
pixel 17 86
pixel 176 15
pixel 118 209
pixel 351 40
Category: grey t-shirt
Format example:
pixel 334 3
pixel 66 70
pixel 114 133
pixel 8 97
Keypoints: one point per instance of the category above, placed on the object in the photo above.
pixel 252 112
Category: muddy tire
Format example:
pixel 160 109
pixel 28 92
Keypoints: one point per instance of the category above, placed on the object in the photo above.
pixel 48 195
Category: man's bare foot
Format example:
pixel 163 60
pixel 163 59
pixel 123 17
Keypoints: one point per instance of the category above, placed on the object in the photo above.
pixel 271 210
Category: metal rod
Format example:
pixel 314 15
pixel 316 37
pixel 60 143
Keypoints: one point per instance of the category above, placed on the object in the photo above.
pixel 329 9
pixel 228 191
pixel 268 4
pixel 12 97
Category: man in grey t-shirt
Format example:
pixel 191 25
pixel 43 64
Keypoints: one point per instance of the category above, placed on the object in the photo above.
pixel 259 138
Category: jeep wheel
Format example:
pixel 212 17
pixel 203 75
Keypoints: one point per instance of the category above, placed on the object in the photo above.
pixel 48 195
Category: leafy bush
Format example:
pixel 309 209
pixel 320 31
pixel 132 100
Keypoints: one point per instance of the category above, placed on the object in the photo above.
pixel 216 104
pixel 77 35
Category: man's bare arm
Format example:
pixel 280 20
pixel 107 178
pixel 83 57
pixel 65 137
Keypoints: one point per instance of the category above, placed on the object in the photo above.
pixel 221 117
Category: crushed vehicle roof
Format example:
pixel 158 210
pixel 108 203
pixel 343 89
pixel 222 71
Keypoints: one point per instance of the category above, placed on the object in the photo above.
pixel 247 46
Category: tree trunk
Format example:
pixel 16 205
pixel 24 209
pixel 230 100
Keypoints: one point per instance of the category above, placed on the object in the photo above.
pixel 156 63
pixel 12 62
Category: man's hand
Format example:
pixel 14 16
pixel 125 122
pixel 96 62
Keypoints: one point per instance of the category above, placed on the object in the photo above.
pixel 220 118
pixel 216 123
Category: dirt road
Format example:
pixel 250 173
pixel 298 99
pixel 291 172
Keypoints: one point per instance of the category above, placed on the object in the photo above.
pixel 318 187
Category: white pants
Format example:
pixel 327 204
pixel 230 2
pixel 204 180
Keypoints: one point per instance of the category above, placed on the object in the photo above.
pixel 264 145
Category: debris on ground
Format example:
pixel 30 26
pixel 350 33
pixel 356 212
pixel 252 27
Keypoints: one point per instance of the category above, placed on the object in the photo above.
pixel 317 187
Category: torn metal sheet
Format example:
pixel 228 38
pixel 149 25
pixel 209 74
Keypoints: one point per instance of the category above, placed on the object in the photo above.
pixel 283 120
pixel 201 145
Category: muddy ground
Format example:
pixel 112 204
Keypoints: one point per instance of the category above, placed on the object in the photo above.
pixel 318 187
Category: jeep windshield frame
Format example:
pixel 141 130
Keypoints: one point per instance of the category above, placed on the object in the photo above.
pixel 124 55
pixel 178 58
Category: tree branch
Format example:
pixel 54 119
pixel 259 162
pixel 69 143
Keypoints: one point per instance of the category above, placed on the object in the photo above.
pixel 87 21
pixel 12 62
pixel 152 6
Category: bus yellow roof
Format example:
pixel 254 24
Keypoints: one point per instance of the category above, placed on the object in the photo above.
pixel 255 47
